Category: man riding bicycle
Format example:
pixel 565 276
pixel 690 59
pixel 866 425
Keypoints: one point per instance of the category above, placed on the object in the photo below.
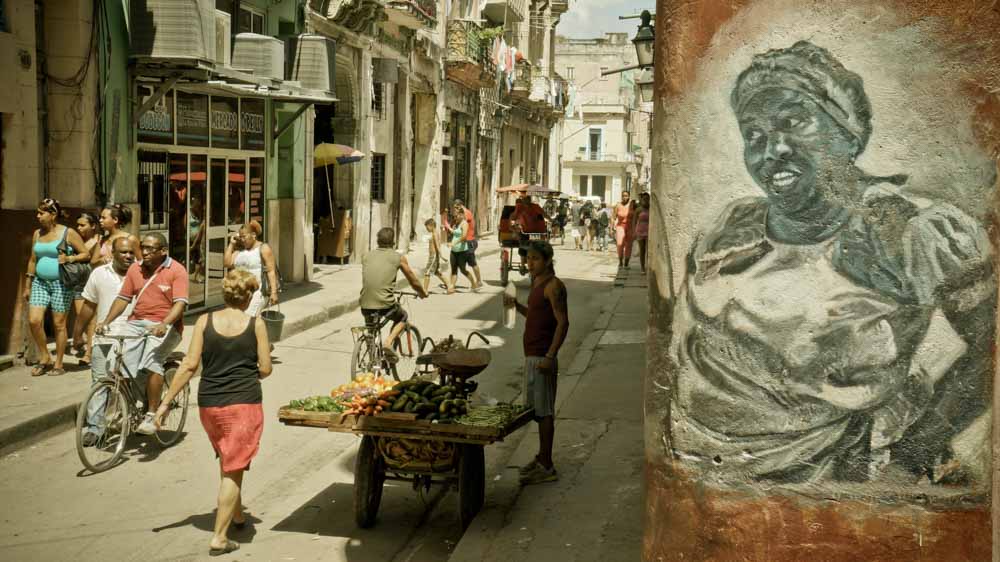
pixel 378 280
pixel 157 288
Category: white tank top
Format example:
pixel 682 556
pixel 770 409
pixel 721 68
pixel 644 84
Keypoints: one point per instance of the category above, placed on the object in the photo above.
pixel 250 261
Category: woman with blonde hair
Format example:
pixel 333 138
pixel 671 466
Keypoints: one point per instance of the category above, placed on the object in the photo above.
pixel 245 251
pixel 234 354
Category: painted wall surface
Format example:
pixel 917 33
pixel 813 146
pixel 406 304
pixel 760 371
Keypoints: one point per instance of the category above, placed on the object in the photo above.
pixel 824 304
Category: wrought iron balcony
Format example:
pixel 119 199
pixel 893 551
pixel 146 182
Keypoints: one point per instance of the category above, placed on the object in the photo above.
pixel 523 74
pixel 468 60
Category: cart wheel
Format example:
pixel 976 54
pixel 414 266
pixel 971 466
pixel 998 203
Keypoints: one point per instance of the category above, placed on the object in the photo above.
pixel 369 476
pixel 504 267
pixel 471 482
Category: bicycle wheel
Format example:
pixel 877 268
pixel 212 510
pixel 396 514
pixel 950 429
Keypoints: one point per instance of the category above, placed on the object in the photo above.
pixel 407 347
pixel 173 421
pixel 362 357
pixel 107 406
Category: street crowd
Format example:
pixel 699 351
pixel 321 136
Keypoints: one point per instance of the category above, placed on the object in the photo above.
pixel 124 285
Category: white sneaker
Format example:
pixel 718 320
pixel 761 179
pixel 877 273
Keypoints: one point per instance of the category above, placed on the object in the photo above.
pixel 147 427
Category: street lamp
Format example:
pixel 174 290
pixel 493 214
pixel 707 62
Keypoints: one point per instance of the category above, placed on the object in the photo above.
pixel 645 83
pixel 644 40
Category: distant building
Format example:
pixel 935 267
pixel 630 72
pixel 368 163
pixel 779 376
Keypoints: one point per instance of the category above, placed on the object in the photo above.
pixel 605 140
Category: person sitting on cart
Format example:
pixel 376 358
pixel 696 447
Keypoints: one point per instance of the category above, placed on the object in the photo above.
pixel 529 218
pixel 378 280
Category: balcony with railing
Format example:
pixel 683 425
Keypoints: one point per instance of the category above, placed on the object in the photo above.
pixel 523 74
pixel 585 155
pixel 468 61
pixel 511 11
pixel 414 14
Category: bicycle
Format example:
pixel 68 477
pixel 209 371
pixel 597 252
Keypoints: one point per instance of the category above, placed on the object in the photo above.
pixel 369 356
pixel 122 404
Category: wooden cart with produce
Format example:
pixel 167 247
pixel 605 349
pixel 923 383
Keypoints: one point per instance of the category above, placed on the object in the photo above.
pixel 417 431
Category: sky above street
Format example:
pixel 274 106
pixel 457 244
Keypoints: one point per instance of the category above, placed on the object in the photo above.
pixel 593 18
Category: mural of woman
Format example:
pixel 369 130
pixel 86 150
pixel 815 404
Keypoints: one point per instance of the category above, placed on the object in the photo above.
pixel 837 327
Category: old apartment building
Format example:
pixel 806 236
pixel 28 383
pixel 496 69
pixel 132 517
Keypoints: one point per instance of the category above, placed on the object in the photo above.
pixel 203 114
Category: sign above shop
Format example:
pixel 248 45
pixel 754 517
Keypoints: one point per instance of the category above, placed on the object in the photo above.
pixel 192 119
pixel 225 123
pixel 252 124
pixel 157 124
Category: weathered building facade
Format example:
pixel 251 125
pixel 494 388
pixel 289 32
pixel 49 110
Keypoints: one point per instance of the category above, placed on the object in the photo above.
pixel 203 114
pixel 823 284
pixel 606 141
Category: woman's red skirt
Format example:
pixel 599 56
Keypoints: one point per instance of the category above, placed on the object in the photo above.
pixel 234 432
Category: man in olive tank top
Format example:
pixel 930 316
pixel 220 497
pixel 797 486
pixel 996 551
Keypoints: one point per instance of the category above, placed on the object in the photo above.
pixel 378 280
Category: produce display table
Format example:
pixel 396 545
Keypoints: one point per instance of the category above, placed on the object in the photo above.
pixel 397 446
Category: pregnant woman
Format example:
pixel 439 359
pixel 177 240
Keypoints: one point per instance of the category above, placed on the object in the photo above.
pixel 837 326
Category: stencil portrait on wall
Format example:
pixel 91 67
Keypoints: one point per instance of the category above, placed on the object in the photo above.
pixel 834 321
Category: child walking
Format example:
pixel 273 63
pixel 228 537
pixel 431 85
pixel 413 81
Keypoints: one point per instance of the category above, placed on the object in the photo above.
pixel 434 258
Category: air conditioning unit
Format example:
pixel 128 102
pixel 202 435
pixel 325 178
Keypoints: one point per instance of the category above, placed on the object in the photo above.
pixel 223 38
pixel 313 61
pixel 173 29
pixel 263 54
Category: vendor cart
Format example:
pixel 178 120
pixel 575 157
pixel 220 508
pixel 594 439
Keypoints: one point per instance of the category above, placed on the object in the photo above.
pixel 514 243
pixel 398 446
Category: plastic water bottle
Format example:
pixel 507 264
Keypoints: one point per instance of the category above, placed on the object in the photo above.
pixel 509 312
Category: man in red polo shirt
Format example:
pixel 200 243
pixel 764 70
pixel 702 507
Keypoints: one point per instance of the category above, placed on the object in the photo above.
pixel 471 241
pixel 159 288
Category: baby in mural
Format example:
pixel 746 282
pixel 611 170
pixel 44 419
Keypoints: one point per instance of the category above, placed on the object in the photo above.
pixel 837 327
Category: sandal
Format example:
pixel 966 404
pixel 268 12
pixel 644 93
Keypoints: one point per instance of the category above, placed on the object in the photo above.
pixel 230 547
pixel 84 361
pixel 57 372
pixel 40 369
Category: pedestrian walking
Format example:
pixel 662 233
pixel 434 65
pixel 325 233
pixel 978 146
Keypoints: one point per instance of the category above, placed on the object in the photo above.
pixel 100 292
pixel 545 327
pixel 114 219
pixel 642 228
pixel 623 229
pixel 87 226
pixel 587 226
pixel 603 228
pixel 434 258
pixel 246 251
pixel 471 240
pixel 52 245
pixel 157 288
pixel 235 356
pixel 460 249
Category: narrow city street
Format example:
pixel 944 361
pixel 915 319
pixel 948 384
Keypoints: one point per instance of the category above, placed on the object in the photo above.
pixel 159 505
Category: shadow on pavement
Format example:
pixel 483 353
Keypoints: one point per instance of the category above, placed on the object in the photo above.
pixel 206 522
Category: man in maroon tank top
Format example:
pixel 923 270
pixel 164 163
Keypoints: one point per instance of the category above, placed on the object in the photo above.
pixel 545 327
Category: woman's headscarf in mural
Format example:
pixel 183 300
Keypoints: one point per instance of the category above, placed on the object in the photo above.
pixel 812 71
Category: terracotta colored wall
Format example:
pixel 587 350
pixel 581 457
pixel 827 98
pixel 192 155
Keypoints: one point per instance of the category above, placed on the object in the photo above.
pixel 824 281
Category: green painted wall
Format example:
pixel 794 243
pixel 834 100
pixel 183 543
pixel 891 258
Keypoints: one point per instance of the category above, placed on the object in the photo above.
pixel 117 161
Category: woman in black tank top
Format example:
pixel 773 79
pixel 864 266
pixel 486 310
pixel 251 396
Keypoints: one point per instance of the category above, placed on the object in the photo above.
pixel 234 353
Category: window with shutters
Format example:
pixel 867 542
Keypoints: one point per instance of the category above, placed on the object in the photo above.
pixel 378 178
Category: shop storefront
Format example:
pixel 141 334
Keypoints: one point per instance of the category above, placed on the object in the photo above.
pixel 201 175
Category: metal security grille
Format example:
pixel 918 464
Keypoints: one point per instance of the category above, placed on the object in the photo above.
pixel 378 178
pixel 462 173
pixel 378 100
pixel 152 190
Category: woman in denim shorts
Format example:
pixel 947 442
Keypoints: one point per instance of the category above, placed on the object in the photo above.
pixel 45 290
